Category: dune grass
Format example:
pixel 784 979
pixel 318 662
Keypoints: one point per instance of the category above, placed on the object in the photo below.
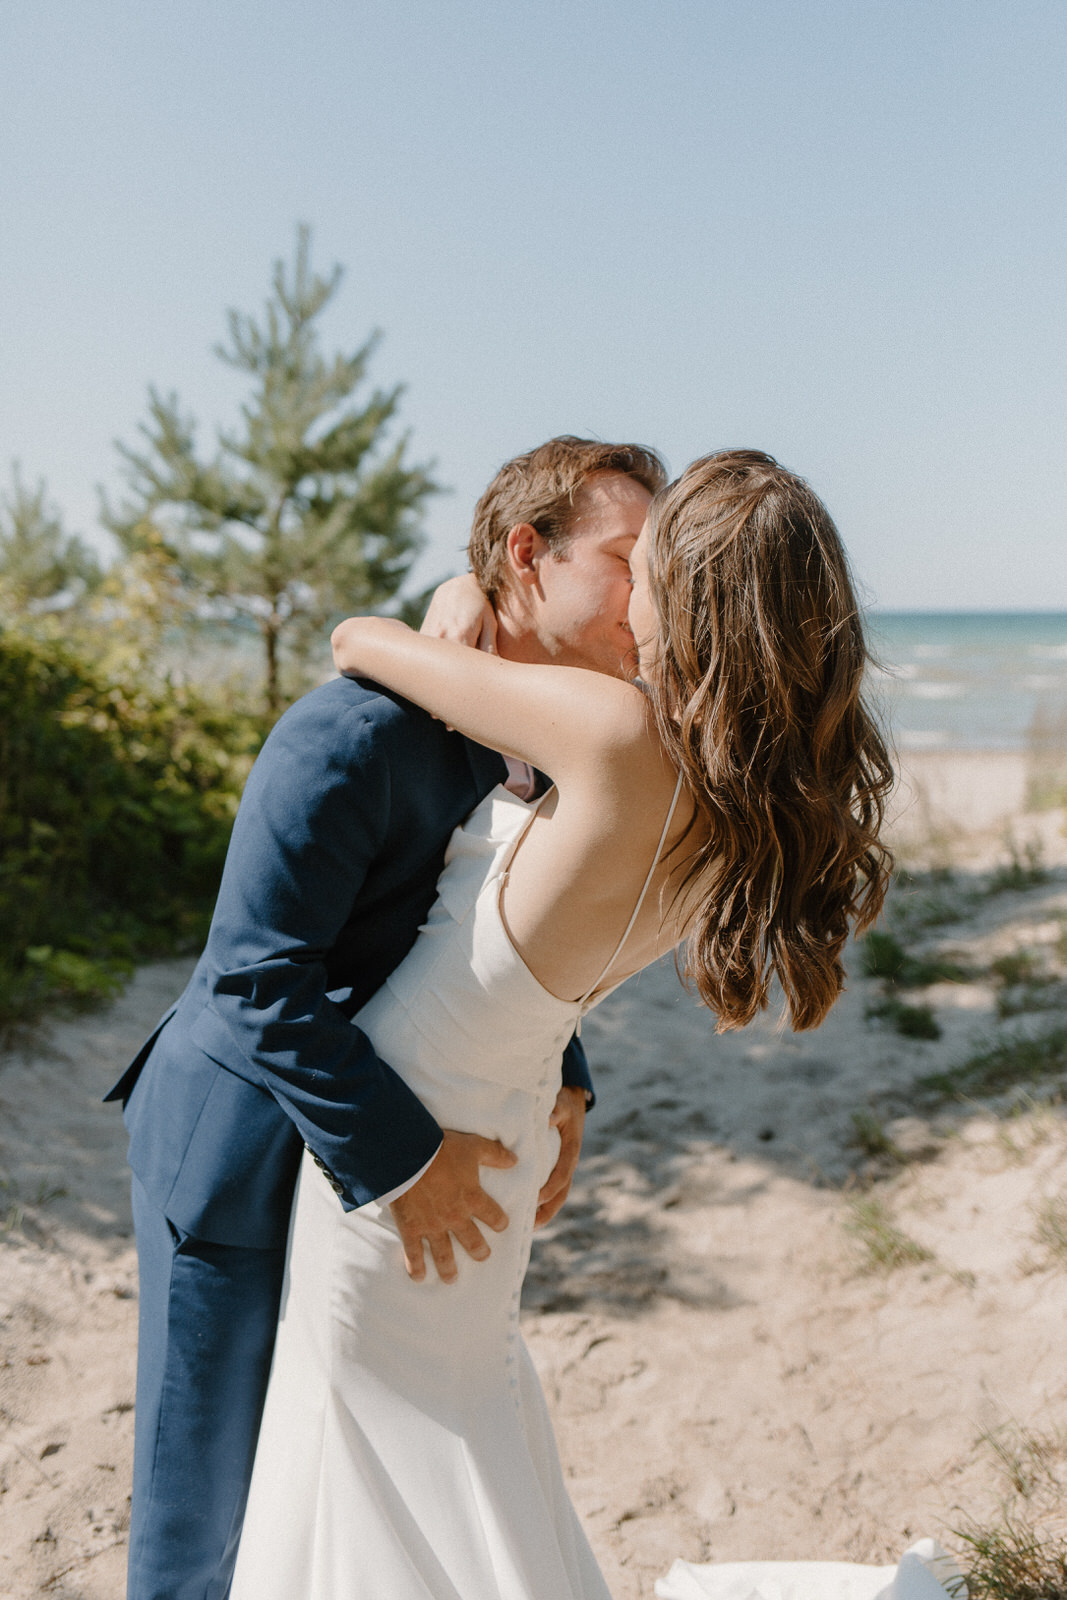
pixel 1022 1553
pixel 884 1246
pixel 1050 1227
pixel 1001 1067
pixel 1014 1560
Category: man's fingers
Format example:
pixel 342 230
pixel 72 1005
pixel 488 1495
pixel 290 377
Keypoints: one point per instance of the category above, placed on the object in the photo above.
pixel 473 1241
pixel 448 1202
pixel 443 1258
pixel 487 1210
pixel 414 1259
pixel 491 1153
pixel 487 636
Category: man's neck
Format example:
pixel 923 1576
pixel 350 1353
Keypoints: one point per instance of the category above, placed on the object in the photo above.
pixel 517 641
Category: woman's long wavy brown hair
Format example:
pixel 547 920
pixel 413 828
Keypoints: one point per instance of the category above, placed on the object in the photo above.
pixel 757 697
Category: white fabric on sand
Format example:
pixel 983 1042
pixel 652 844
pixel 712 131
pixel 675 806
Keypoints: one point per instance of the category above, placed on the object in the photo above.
pixel 925 1572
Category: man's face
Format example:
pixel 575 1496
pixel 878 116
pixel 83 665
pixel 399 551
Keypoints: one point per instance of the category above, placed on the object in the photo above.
pixel 583 596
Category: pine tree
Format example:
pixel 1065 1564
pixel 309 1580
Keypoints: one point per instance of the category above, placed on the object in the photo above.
pixel 39 564
pixel 307 512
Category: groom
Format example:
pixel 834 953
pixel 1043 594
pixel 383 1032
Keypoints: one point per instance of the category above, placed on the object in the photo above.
pixel 332 867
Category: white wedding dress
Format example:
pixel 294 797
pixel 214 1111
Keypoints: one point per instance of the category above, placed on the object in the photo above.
pixel 406 1452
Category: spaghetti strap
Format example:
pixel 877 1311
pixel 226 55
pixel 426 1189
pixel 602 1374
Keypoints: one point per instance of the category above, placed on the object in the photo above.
pixel 615 954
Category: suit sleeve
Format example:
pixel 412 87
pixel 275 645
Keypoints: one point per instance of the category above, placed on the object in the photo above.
pixel 576 1073
pixel 313 817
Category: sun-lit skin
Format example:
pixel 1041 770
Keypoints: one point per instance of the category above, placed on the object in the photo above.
pixel 572 610
pixel 644 624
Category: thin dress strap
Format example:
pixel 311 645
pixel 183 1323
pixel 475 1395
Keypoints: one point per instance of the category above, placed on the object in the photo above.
pixel 593 987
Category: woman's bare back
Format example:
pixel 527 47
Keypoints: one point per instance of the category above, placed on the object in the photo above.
pixel 578 873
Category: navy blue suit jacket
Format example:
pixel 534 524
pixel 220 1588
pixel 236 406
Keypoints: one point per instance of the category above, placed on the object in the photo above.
pixel 332 867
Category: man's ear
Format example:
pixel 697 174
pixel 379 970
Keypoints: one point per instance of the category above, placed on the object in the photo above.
pixel 526 550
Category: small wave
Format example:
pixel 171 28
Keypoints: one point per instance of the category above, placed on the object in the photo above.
pixel 925 689
pixel 1049 652
pixel 922 738
pixel 1040 681
pixel 932 652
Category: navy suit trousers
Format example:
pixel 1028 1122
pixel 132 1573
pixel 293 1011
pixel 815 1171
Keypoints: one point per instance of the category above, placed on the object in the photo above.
pixel 208 1314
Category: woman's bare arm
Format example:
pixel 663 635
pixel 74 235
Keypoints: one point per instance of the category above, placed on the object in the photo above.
pixel 562 719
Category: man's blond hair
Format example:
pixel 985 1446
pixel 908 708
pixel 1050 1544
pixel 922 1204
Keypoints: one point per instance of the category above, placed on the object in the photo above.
pixel 540 488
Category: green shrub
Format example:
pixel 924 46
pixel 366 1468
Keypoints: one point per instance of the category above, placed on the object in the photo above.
pixel 116 803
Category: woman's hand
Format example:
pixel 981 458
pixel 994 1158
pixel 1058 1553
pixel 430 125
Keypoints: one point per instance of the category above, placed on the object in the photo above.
pixel 460 611
pixel 568 1117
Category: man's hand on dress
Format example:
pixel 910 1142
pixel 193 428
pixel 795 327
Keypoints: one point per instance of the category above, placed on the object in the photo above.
pixel 568 1116
pixel 448 1202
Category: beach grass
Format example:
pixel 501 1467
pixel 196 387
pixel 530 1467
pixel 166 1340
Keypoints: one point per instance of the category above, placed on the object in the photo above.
pixel 1019 966
pixel 1014 1560
pixel 1024 868
pixel 913 1021
pixel 884 1246
pixel 869 1136
pixel 1050 1226
pixel 1001 1067
pixel 1022 1553
pixel 884 956
pixel 930 898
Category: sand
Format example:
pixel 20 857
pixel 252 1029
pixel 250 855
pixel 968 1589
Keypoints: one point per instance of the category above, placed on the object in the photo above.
pixel 729 1376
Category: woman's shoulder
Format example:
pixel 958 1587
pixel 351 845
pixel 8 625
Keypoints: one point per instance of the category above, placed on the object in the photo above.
pixel 618 755
pixel 617 711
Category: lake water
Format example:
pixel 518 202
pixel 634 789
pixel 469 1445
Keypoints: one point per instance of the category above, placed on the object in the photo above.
pixel 971 680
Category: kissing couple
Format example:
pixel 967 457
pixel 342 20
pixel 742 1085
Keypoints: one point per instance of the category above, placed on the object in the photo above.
pixel 373 1088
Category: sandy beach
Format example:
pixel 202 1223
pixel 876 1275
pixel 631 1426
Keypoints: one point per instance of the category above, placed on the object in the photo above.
pixel 731 1371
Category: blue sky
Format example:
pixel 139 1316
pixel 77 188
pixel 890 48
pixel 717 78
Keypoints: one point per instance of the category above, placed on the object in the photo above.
pixel 832 230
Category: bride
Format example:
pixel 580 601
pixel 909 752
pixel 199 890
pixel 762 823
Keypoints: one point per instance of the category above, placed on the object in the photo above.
pixel 727 801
